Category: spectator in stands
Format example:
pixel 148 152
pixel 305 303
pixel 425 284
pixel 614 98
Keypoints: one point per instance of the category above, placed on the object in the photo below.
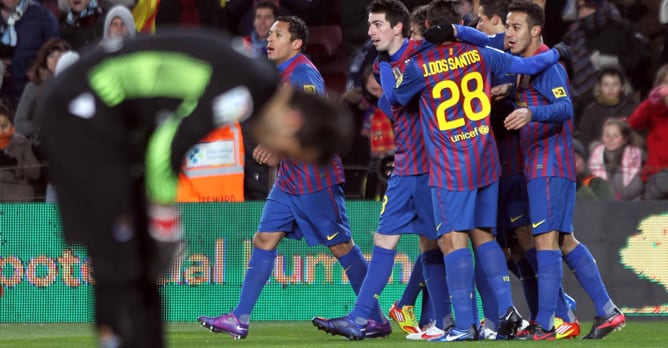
pixel 611 101
pixel 589 186
pixel 42 70
pixel 26 26
pixel 83 24
pixel 652 116
pixel 119 24
pixel 602 37
pixel 18 164
pixel 266 12
pixel 618 159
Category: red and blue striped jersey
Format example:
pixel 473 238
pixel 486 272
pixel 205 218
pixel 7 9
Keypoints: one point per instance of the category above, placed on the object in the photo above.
pixel 410 157
pixel 454 82
pixel 547 141
pixel 298 177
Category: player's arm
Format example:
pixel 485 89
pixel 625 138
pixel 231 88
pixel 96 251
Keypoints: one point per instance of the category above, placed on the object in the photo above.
pixel 472 36
pixel 385 105
pixel 308 80
pixel 408 86
pixel 505 63
pixel 553 85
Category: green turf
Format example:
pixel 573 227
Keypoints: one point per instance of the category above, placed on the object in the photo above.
pixel 303 334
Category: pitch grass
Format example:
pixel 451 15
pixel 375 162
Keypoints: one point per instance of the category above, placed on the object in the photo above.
pixel 638 333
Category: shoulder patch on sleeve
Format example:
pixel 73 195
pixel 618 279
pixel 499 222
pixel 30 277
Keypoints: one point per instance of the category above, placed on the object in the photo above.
pixel 310 89
pixel 559 92
pixel 400 79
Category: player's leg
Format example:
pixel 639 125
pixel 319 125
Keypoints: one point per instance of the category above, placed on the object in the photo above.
pixel 395 218
pixel 402 310
pixel 493 260
pixel 277 215
pixel 127 300
pixel 608 317
pixel 547 196
pixel 434 261
pixel 454 214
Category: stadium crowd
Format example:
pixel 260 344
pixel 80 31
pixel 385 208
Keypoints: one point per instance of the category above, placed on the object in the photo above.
pixel 613 114
pixel 610 79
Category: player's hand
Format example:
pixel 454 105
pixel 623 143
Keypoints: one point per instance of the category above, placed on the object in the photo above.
pixel 658 94
pixel 517 119
pixel 263 156
pixel 438 34
pixel 565 51
pixel 501 91
pixel 383 56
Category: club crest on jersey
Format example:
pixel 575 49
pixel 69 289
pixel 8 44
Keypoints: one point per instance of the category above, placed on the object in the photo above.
pixel 310 89
pixel 559 92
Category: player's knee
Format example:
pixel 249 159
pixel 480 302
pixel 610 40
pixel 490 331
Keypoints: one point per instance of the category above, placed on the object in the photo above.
pixel 267 240
pixel 386 241
pixel 427 244
pixel 341 249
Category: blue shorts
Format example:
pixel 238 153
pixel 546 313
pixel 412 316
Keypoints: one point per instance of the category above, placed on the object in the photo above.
pixel 551 203
pixel 513 201
pixel 464 210
pixel 407 207
pixel 319 217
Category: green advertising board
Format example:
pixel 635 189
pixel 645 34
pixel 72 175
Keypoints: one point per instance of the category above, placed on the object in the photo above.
pixel 45 280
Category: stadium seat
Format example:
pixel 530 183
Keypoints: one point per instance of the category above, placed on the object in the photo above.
pixel 324 40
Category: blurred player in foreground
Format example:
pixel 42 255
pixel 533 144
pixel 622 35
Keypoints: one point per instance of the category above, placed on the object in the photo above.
pixel 118 124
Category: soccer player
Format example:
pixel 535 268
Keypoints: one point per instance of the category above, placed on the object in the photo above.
pixel 116 126
pixel 307 200
pixel 451 81
pixel 544 118
pixel 513 214
pixel 406 206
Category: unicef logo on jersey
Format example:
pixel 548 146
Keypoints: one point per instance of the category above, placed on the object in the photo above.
pixel 195 155
pixel 477 131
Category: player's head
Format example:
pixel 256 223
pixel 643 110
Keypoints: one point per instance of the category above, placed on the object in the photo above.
pixel 388 24
pixel 45 63
pixel 492 15
pixel 303 126
pixel 418 22
pixel 443 12
pixel 524 26
pixel 288 37
pixel 266 12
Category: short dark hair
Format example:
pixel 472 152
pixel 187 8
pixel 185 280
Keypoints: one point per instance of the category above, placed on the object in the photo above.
pixel 419 16
pixel 535 13
pixel 395 12
pixel 443 12
pixel 267 4
pixel 611 70
pixel 327 127
pixel 495 7
pixel 297 28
